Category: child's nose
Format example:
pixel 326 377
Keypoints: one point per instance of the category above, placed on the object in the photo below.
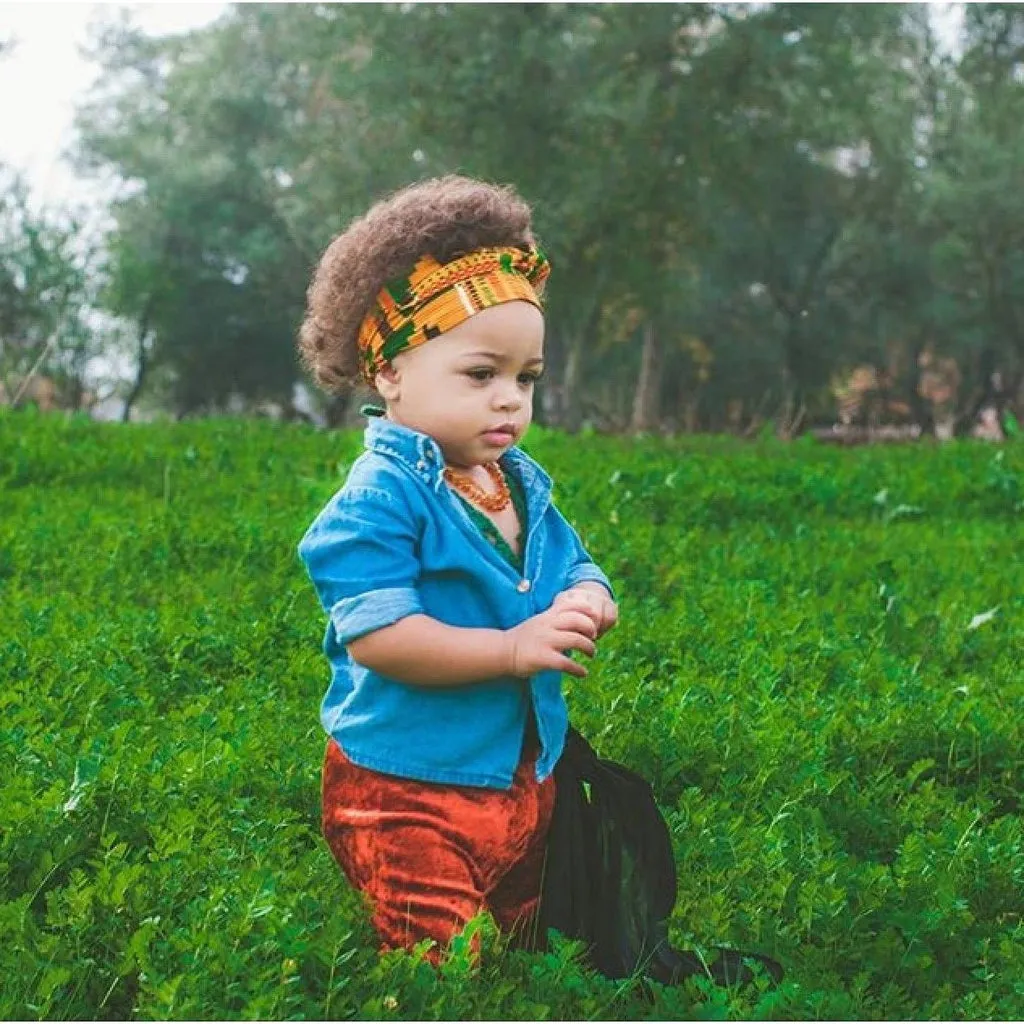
pixel 508 397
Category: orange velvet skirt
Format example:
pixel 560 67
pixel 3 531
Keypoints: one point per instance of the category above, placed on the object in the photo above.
pixel 431 856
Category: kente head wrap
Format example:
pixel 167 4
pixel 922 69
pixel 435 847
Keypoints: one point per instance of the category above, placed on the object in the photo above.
pixel 436 297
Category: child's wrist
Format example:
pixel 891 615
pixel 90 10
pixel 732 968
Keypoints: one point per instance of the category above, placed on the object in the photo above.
pixel 510 652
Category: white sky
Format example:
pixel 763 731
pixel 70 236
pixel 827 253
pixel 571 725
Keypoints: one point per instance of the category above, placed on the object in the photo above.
pixel 44 76
pixel 46 73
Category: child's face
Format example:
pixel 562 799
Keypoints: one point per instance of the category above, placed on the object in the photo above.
pixel 462 385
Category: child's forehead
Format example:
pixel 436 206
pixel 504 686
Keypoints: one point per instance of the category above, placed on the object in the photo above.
pixel 512 329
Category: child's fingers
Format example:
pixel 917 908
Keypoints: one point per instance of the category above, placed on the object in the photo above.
pixel 569 667
pixel 576 622
pixel 576 641
pixel 576 600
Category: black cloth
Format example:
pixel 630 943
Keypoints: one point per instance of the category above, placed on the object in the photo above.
pixel 610 877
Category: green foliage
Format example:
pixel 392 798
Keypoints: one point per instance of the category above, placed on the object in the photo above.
pixel 816 667
pixel 47 271
pixel 777 191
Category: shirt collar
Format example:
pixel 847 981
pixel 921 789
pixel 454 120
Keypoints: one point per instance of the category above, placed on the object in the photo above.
pixel 423 455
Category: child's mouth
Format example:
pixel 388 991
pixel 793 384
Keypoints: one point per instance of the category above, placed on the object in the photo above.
pixel 499 437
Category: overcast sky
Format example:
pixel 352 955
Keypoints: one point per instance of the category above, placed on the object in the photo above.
pixel 46 73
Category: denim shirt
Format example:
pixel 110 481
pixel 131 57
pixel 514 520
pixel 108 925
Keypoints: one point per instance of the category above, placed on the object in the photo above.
pixel 395 541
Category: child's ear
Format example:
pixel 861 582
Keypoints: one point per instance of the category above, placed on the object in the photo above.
pixel 387 383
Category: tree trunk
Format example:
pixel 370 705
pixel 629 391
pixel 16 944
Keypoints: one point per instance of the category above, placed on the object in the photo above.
pixel 1015 395
pixel 793 410
pixel 691 413
pixel 984 393
pixel 142 365
pixel 648 386
pixel 920 409
pixel 569 406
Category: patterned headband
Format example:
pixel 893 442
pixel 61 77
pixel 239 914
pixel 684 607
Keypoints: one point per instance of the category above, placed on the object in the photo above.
pixel 436 297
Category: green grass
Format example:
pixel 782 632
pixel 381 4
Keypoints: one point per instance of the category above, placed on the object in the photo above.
pixel 838 753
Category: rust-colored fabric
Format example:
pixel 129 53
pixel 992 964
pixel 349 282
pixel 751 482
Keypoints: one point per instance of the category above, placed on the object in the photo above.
pixel 430 856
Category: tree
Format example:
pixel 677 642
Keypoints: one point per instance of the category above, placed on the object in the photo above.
pixel 47 285
pixel 976 196
pixel 200 259
pixel 741 201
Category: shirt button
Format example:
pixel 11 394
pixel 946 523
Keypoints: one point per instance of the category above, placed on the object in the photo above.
pixel 429 453
pixel 421 464
pixel 523 586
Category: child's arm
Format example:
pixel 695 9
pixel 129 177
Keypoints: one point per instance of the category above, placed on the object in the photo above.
pixel 583 569
pixel 426 652
pixel 362 556
pixel 585 576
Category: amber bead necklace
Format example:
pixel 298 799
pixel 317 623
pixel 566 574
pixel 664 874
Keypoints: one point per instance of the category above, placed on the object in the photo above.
pixel 495 502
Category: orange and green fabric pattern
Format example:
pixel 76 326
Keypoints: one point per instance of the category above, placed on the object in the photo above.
pixel 436 297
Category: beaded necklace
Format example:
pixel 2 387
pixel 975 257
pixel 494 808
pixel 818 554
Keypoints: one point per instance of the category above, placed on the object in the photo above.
pixel 486 526
pixel 493 502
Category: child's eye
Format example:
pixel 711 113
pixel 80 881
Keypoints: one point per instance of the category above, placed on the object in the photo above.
pixel 486 373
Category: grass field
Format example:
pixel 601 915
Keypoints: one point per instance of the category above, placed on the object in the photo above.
pixel 818 667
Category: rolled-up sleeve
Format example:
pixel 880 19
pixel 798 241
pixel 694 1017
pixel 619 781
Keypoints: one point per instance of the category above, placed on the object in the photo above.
pixel 361 554
pixel 583 568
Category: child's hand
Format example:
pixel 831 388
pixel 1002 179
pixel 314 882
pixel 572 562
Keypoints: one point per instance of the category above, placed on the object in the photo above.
pixel 540 642
pixel 599 606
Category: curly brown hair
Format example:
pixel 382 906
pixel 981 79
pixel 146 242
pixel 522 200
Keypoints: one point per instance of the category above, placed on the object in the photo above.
pixel 444 217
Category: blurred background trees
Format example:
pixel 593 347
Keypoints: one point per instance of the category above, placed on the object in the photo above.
pixel 48 291
pixel 748 207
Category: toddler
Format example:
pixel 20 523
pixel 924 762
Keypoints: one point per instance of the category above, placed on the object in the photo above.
pixel 454 589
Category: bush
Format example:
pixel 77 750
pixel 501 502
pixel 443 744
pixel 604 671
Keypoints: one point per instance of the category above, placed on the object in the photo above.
pixel 816 666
